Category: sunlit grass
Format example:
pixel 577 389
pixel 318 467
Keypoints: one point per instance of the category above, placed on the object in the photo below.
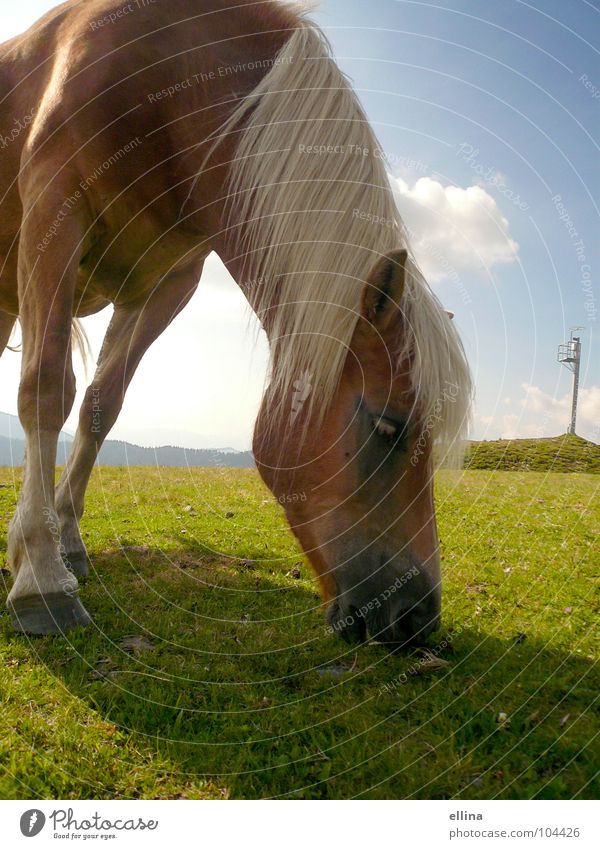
pixel 208 672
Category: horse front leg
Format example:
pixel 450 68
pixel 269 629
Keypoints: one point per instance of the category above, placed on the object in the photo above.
pixel 130 333
pixel 44 597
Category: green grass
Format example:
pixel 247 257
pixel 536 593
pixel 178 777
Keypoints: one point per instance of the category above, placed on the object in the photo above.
pixel 567 453
pixel 237 691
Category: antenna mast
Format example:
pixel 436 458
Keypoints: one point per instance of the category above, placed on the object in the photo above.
pixel 569 355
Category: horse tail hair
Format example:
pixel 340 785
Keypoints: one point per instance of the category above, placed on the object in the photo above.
pixel 81 343
pixel 16 349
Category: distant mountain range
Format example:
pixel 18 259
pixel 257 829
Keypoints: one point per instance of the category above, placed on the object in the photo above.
pixel 116 453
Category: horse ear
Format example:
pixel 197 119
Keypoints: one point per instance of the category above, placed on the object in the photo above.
pixel 384 288
pixel 450 314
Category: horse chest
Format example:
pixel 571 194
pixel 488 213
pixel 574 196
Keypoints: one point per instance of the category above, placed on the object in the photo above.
pixel 126 265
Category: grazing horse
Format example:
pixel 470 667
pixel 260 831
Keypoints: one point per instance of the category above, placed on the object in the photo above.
pixel 138 138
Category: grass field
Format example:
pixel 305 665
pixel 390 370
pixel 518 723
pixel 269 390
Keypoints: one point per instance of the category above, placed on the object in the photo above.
pixel 209 673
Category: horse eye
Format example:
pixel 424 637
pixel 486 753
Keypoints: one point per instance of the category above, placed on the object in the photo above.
pixel 391 432
pixel 384 427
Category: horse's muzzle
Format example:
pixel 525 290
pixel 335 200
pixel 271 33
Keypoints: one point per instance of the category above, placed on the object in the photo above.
pixel 397 604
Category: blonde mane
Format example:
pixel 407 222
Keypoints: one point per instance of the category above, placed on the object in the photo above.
pixel 311 196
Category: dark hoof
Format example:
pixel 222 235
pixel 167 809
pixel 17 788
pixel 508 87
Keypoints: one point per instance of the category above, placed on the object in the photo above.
pixel 50 614
pixel 78 564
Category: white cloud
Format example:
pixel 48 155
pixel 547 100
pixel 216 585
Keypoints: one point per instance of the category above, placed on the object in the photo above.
pixel 510 426
pixel 589 405
pixel 454 230
pixel 558 410
pixel 537 414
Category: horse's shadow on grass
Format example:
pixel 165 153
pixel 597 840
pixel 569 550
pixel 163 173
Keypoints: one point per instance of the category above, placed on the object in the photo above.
pixel 227 668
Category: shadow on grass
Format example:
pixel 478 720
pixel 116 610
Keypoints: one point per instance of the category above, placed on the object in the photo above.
pixel 225 669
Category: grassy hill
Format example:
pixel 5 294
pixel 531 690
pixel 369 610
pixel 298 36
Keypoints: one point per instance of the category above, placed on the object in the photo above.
pixel 556 454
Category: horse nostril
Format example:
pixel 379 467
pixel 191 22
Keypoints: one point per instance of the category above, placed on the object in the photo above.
pixel 397 605
pixel 346 623
pixel 401 624
pixel 412 626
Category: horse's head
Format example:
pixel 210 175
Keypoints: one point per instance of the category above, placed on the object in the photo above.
pixel 359 493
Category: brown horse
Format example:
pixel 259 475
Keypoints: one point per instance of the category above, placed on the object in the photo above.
pixel 136 139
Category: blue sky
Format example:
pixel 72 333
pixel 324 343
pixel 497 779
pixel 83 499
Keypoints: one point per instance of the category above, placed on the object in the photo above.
pixel 487 112
pixel 497 87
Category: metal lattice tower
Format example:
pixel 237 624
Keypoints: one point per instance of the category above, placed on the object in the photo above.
pixel 569 355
